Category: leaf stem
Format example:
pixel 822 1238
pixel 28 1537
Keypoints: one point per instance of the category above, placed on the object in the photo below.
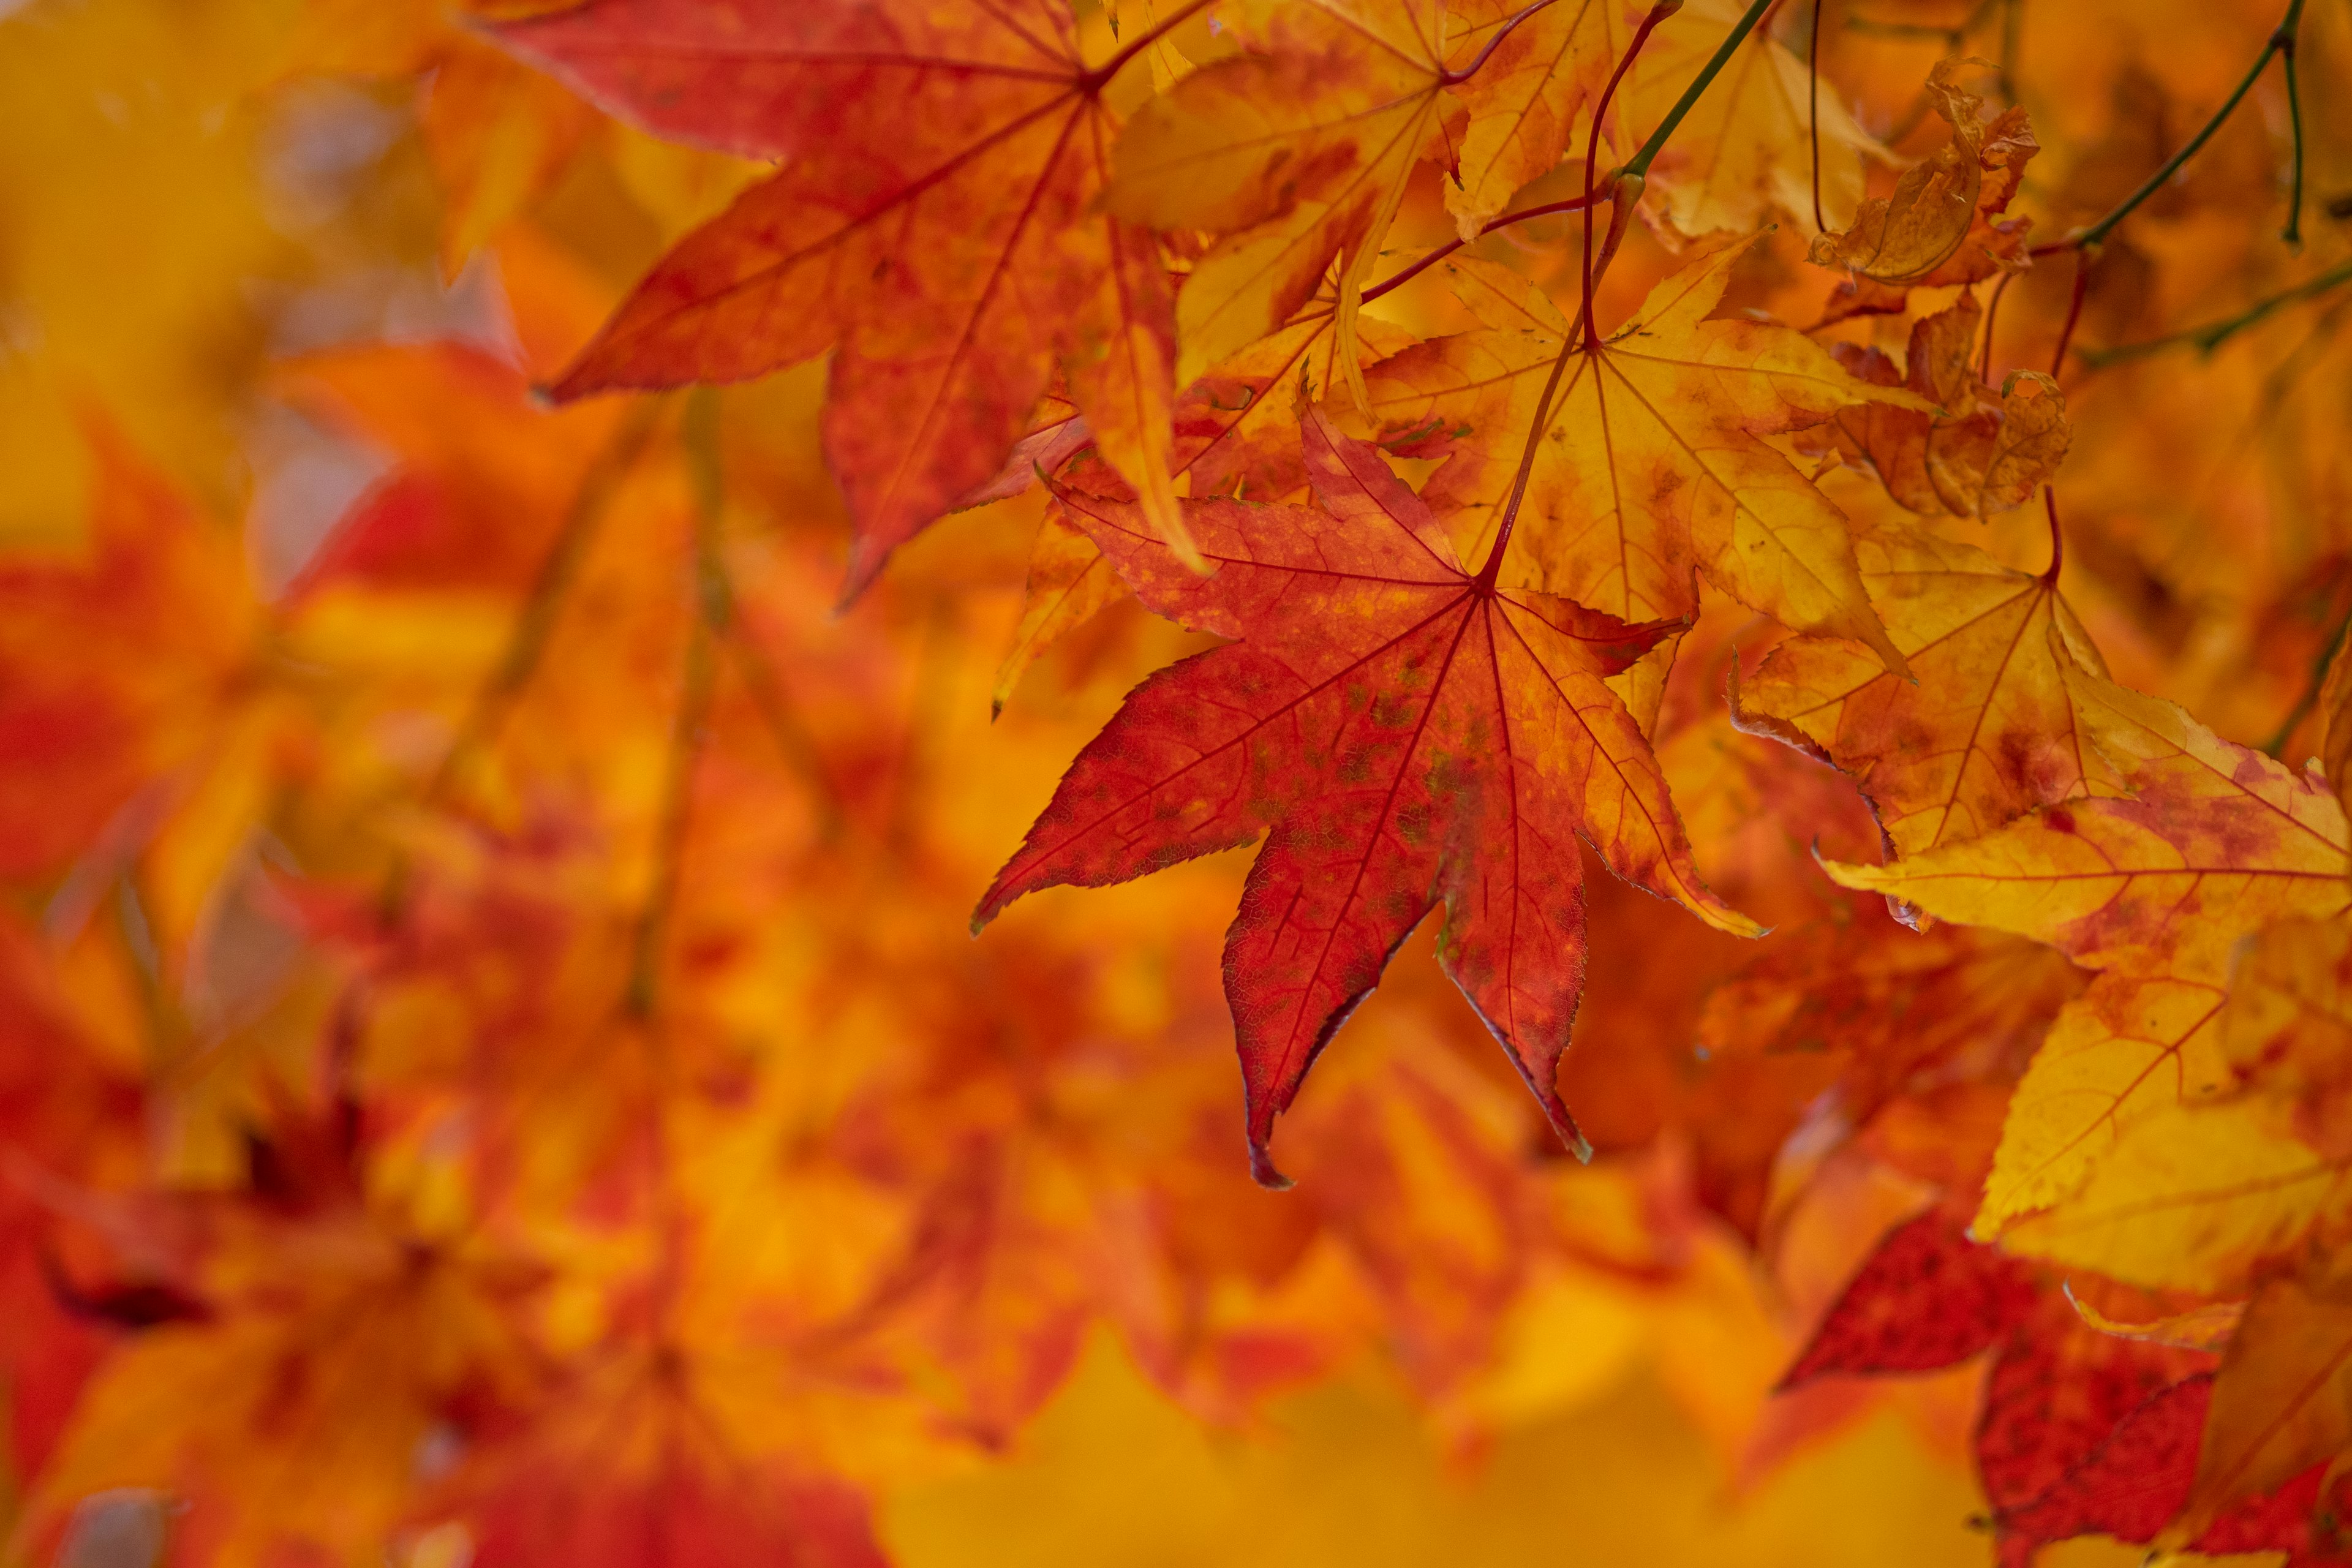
pixel 691 726
pixel 2282 39
pixel 2212 335
pixel 2057 537
pixel 1492 571
pixel 1396 279
pixel 1640 163
pixel 1510 24
pixel 536 621
pixel 2292 233
pixel 1657 14
pixel 2303 704
pixel 1992 314
pixel 1629 178
pixel 1813 111
pixel 2083 259
pixel 1098 79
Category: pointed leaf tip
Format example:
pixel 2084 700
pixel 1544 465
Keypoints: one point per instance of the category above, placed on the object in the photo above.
pixel 1262 1171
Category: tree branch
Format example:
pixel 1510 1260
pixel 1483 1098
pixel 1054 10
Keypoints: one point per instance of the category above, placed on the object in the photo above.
pixel 2213 334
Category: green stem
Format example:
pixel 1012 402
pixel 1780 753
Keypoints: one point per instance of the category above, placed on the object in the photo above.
pixel 1639 167
pixel 2284 38
pixel 2292 233
pixel 2213 334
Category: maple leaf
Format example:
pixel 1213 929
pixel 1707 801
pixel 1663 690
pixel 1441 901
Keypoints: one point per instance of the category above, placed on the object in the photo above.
pixel 952 255
pixel 1987 729
pixel 1409 734
pixel 2211 1193
pixel 499 135
pixel 1651 463
pixel 1926 1297
pixel 342 1348
pixel 2153 891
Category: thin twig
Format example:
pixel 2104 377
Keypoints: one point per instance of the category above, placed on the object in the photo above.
pixel 536 621
pixel 1656 14
pixel 2282 39
pixel 534 624
pixel 2311 689
pixel 785 726
pixel 1813 111
pixel 1573 204
pixel 1567 344
pixel 2083 257
pixel 2292 233
pixel 1478 62
pixel 1993 314
pixel 2212 335
pixel 691 725
pixel 2057 537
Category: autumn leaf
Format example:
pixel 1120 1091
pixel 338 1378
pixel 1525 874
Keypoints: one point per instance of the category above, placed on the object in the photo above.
pixel 1236 433
pixel 499 135
pixel 950 305
pixel 1409 734
pixel 1987 729
pixel 1652 463
pixel 492 1066
pixel 1298 149
pixel 2211 1193
pixel 647 1452
pixel 2152 889
pixel 2278 1406
pixel 1895 1009
pixel 1986 450
pixel 1928 1297
pixel 1907 238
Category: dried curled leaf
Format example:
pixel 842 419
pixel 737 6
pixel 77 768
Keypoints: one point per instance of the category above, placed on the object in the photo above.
pixel 1982 452
pixel 1905 237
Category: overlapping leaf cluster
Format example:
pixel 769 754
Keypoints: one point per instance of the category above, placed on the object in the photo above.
pixel 492 1062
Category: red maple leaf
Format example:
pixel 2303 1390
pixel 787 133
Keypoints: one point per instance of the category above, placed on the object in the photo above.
pixel 1406 733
